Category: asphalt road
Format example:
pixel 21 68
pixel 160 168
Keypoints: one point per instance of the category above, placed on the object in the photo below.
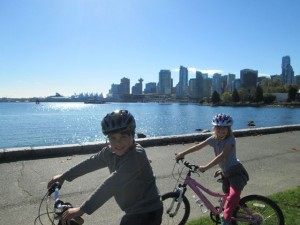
pixel 271 160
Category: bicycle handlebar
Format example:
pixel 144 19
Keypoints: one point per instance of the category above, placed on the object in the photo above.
pixel 54 188
pixel 192 167
pixel 60 205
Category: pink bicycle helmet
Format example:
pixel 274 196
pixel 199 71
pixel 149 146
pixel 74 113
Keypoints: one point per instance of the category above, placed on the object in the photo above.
pixel 222 120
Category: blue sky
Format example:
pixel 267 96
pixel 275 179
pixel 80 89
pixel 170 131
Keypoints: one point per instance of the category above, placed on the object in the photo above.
pixel 74 46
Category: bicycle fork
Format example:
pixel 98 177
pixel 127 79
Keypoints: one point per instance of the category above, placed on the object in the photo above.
pixel 177 201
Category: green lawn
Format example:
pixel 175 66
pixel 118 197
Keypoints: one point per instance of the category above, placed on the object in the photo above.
pixel 288 201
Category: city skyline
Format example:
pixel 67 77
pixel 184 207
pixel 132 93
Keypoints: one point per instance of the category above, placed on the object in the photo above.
pixel 86 46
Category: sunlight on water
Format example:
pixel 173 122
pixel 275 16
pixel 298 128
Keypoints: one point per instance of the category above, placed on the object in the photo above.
pixel 29 124
pixel 65 106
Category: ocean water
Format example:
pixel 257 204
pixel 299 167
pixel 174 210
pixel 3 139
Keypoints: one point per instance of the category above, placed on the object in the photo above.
pixel 46 124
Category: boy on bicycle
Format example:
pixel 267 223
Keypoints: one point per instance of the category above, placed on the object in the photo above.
pixel 131 181
pixel 224 145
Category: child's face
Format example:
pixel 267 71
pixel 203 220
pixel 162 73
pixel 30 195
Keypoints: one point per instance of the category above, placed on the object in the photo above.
pixel 221 132
pixel 120 142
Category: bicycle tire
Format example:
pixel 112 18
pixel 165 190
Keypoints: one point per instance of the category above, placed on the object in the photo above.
pixel 183 212
pixel 265 210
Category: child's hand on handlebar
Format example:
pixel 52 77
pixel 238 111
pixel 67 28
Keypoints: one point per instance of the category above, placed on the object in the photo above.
pixel 57 178
pixel 72 213
pixel 179 156
pixel 202 169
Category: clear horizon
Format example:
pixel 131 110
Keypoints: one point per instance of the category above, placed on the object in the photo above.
pixel 86 46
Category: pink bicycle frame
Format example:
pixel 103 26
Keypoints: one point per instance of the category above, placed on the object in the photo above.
pixel 196 187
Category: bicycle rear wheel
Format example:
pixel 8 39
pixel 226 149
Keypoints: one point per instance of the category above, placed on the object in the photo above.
pixel 175 212
pixel 264 211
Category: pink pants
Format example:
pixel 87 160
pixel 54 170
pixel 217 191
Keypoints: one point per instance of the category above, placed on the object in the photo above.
pixel 232 202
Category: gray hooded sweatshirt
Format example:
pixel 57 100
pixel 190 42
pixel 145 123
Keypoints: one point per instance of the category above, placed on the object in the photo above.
pixel 131 181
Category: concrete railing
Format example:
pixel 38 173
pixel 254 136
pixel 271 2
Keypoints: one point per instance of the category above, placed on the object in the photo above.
pixel 23 153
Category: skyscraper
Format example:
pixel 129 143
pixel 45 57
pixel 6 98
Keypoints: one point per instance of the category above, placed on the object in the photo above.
pixel 248 78
pixel 182 87
pixel 165 82
pixel 217 83
pixel 150 88
pixel 230 79
pixel 199 84
pixel 124 86
pixel 287 74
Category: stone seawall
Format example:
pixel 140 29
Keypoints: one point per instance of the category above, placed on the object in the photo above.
pixel 23 153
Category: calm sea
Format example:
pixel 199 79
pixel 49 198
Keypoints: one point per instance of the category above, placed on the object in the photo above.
pixel 29 124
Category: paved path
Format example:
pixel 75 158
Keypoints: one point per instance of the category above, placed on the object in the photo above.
pixel 272 161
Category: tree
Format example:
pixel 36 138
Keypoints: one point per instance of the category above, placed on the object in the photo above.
pixel 226 97
pixel 272 86
pixel 269 98
pixel 292 92
pixel 259 94
pixel 244 94
pixel 215 98
pixel 235 96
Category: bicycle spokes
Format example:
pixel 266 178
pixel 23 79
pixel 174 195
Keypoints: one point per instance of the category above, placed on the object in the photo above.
pixel 258 210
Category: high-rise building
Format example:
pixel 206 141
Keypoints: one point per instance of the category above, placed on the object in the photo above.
pixel 287 74
pixel 224 80
pixel 137 89
pixel 165 82
pixel 150 88
pixel 237 84
pixel 114 91
pixel 199 84
pixel 207 86
pixel 297 79
pixel 182 86
pixel 205 75
pixel 193 88
pixel 248 78
pixel 230 79
pixel 217 83
pixel 124 86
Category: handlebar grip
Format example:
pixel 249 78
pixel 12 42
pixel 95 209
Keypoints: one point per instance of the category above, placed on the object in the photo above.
pixel 77 221
pixel 53 187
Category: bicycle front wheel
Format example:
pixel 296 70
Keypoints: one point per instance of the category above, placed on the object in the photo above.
pixel 176 211
pixel 256 209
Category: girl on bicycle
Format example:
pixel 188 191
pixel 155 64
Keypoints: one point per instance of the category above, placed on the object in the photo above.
pixel 131 182
pixel 224 145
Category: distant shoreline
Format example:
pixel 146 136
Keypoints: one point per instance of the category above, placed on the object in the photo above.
pixel 276 104
pixel 239 104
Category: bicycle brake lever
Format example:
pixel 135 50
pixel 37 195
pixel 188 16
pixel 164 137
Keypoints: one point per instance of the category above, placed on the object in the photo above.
pixel 197 170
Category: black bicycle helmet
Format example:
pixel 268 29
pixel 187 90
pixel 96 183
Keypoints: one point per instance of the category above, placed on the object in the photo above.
pixel 222 120
pixel 119 120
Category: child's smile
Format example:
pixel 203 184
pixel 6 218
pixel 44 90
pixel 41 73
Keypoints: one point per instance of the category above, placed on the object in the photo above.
pixel 120 143
pixel 221 132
